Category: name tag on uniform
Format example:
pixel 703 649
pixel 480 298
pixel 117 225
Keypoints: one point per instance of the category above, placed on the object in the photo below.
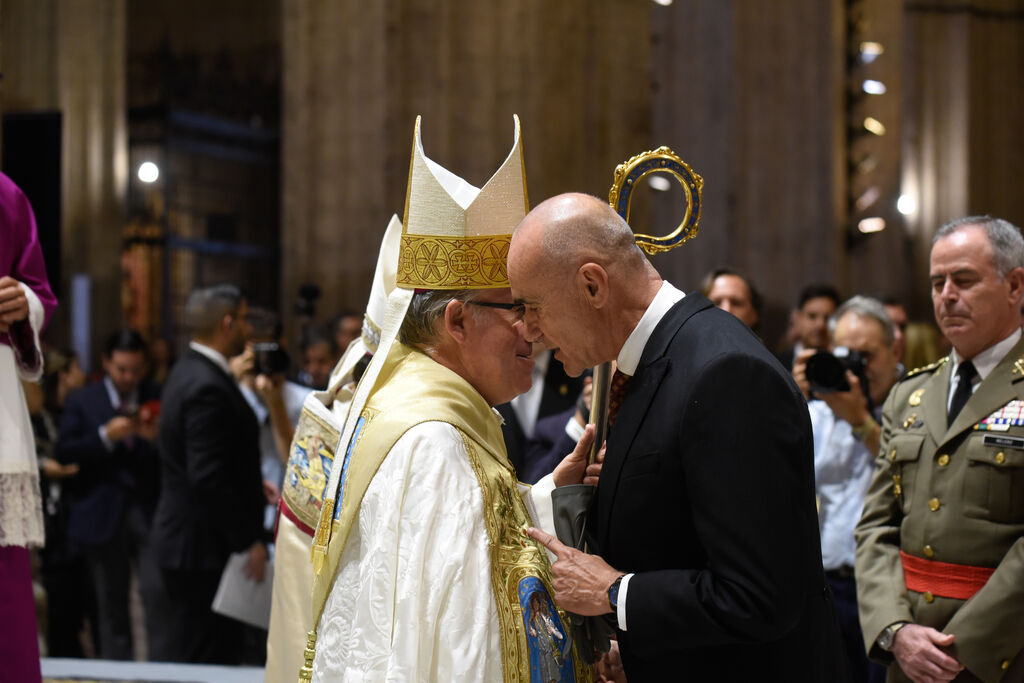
pixel 1004 441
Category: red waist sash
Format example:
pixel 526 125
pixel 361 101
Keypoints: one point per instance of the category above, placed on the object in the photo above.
pixel 944 579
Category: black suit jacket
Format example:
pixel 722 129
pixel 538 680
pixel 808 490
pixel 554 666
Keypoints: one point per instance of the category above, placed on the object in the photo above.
pixel 107 481
pixel 707 494
pixel 560 393
pixel 211 497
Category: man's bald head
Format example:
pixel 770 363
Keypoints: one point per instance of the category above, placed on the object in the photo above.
pixel 574 265
pixel 571 229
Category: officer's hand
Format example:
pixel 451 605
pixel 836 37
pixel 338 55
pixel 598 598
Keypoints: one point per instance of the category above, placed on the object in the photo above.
pixel 581 581
pixel 800 371
pixel 917 651
pixel 574 468
pixel 242 364
pixel 849 405
pixel 609 666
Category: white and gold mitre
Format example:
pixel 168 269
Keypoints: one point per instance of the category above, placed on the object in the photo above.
pixel 383 285
pixel 455 236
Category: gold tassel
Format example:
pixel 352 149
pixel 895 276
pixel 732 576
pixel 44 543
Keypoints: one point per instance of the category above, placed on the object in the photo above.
pixel 306 672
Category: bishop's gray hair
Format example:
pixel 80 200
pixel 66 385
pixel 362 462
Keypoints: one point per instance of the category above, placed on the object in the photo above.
pixel 207 306
pixel 420 325
pixel 865 307
pixel 1005 238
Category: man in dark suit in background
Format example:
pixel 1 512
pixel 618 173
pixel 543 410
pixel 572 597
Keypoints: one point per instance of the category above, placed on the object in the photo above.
pixel 211 498
pixel 108 429
pixel 703 523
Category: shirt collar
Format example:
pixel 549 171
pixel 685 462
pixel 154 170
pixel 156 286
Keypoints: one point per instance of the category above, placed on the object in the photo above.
pixel 629 355
pixel 213 354
pixel 117 402
pixel 986 361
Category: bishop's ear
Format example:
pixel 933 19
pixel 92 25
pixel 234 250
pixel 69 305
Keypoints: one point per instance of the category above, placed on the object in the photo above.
pixel 592 281
pixel 454 319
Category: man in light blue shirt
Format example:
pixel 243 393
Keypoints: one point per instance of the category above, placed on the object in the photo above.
pixel 846 436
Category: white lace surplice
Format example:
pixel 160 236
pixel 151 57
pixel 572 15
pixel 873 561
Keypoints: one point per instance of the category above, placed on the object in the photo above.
pixel 412 600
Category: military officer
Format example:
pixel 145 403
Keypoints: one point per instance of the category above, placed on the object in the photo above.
pixel 940 547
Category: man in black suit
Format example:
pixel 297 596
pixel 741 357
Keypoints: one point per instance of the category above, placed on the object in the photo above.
pixel 108 430
pixel 703 523
pixel 211 498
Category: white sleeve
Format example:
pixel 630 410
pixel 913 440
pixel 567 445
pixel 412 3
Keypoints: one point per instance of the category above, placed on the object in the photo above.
pixel 412 600
pixel 36 316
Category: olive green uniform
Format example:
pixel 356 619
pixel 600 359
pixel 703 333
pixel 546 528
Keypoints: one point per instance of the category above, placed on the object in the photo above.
pixel 949 495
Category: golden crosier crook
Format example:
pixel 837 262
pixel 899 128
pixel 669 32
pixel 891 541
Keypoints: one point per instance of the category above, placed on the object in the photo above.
pixel 627 175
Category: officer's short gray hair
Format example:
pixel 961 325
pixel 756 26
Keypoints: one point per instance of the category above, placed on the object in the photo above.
pixel 865 307
pixel 420 325
pixel 1005 238
pixel 207 306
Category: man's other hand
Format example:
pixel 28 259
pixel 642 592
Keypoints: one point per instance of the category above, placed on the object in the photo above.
pixel 581 581
pixel 916 649
pixel 850 405
pixel 609 666
pixel 800 371
pixel 256 563
pixel 13 303
pixel 120 427
pixel 574 468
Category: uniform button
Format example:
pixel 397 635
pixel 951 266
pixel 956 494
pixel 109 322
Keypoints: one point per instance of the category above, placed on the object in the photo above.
pixel 928 597
pixel 892 454
pixel 1000 457
pixel 928 552
pixel 943 460
pixel 934 504
pixel 1005 665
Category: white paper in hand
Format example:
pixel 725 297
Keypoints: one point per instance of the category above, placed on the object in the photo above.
pixel 241 598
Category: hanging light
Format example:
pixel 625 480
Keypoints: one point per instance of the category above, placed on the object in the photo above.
pixel 873 224
pixel 873 87
pixel 906 204
pixel 874 126
pixel 148 172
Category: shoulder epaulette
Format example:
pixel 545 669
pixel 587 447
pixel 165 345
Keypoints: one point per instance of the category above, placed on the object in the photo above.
pixel 931 367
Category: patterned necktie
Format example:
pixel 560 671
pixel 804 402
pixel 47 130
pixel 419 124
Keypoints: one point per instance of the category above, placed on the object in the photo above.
pixel 616 392
pixel 965 375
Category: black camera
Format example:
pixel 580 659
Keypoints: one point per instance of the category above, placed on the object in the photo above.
pixel 826 372
pixel 269 358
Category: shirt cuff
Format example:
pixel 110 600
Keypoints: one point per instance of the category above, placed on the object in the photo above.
pixel 620 612
pixel 573 429
pixel 104 438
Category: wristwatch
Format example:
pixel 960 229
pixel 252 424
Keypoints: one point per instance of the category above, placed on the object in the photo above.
pixel 886 638
pixel 613 594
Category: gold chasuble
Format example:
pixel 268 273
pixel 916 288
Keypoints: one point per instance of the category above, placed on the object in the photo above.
pixel 412 389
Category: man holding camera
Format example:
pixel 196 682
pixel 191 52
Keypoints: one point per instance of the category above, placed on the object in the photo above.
pixel 847 388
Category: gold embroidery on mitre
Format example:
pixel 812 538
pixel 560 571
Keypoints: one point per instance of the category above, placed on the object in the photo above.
pixel 431 262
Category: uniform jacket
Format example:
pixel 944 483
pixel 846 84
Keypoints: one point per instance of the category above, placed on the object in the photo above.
pixel 707 494
pixel 950 495
pixel 107 480
pixel 211 497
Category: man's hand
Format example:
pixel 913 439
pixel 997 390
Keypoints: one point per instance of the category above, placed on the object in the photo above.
pixel 271 493
pixel 584 402
pixel 800 371
pixel 609 666
pixel 851 405
pixel 574 468
pixel 13 303
pixel 256 563
pixel 121 427
pixel 581 581
pixel 242 364
pixel 54 471
pixel 916 649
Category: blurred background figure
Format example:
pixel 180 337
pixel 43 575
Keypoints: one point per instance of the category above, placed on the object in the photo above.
pixel 810 321
pixel 261 371
pixel 70 599
pixel 108 430
pixel 320 353
pixel 735 293
pixel 211 496
pixel 346 328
